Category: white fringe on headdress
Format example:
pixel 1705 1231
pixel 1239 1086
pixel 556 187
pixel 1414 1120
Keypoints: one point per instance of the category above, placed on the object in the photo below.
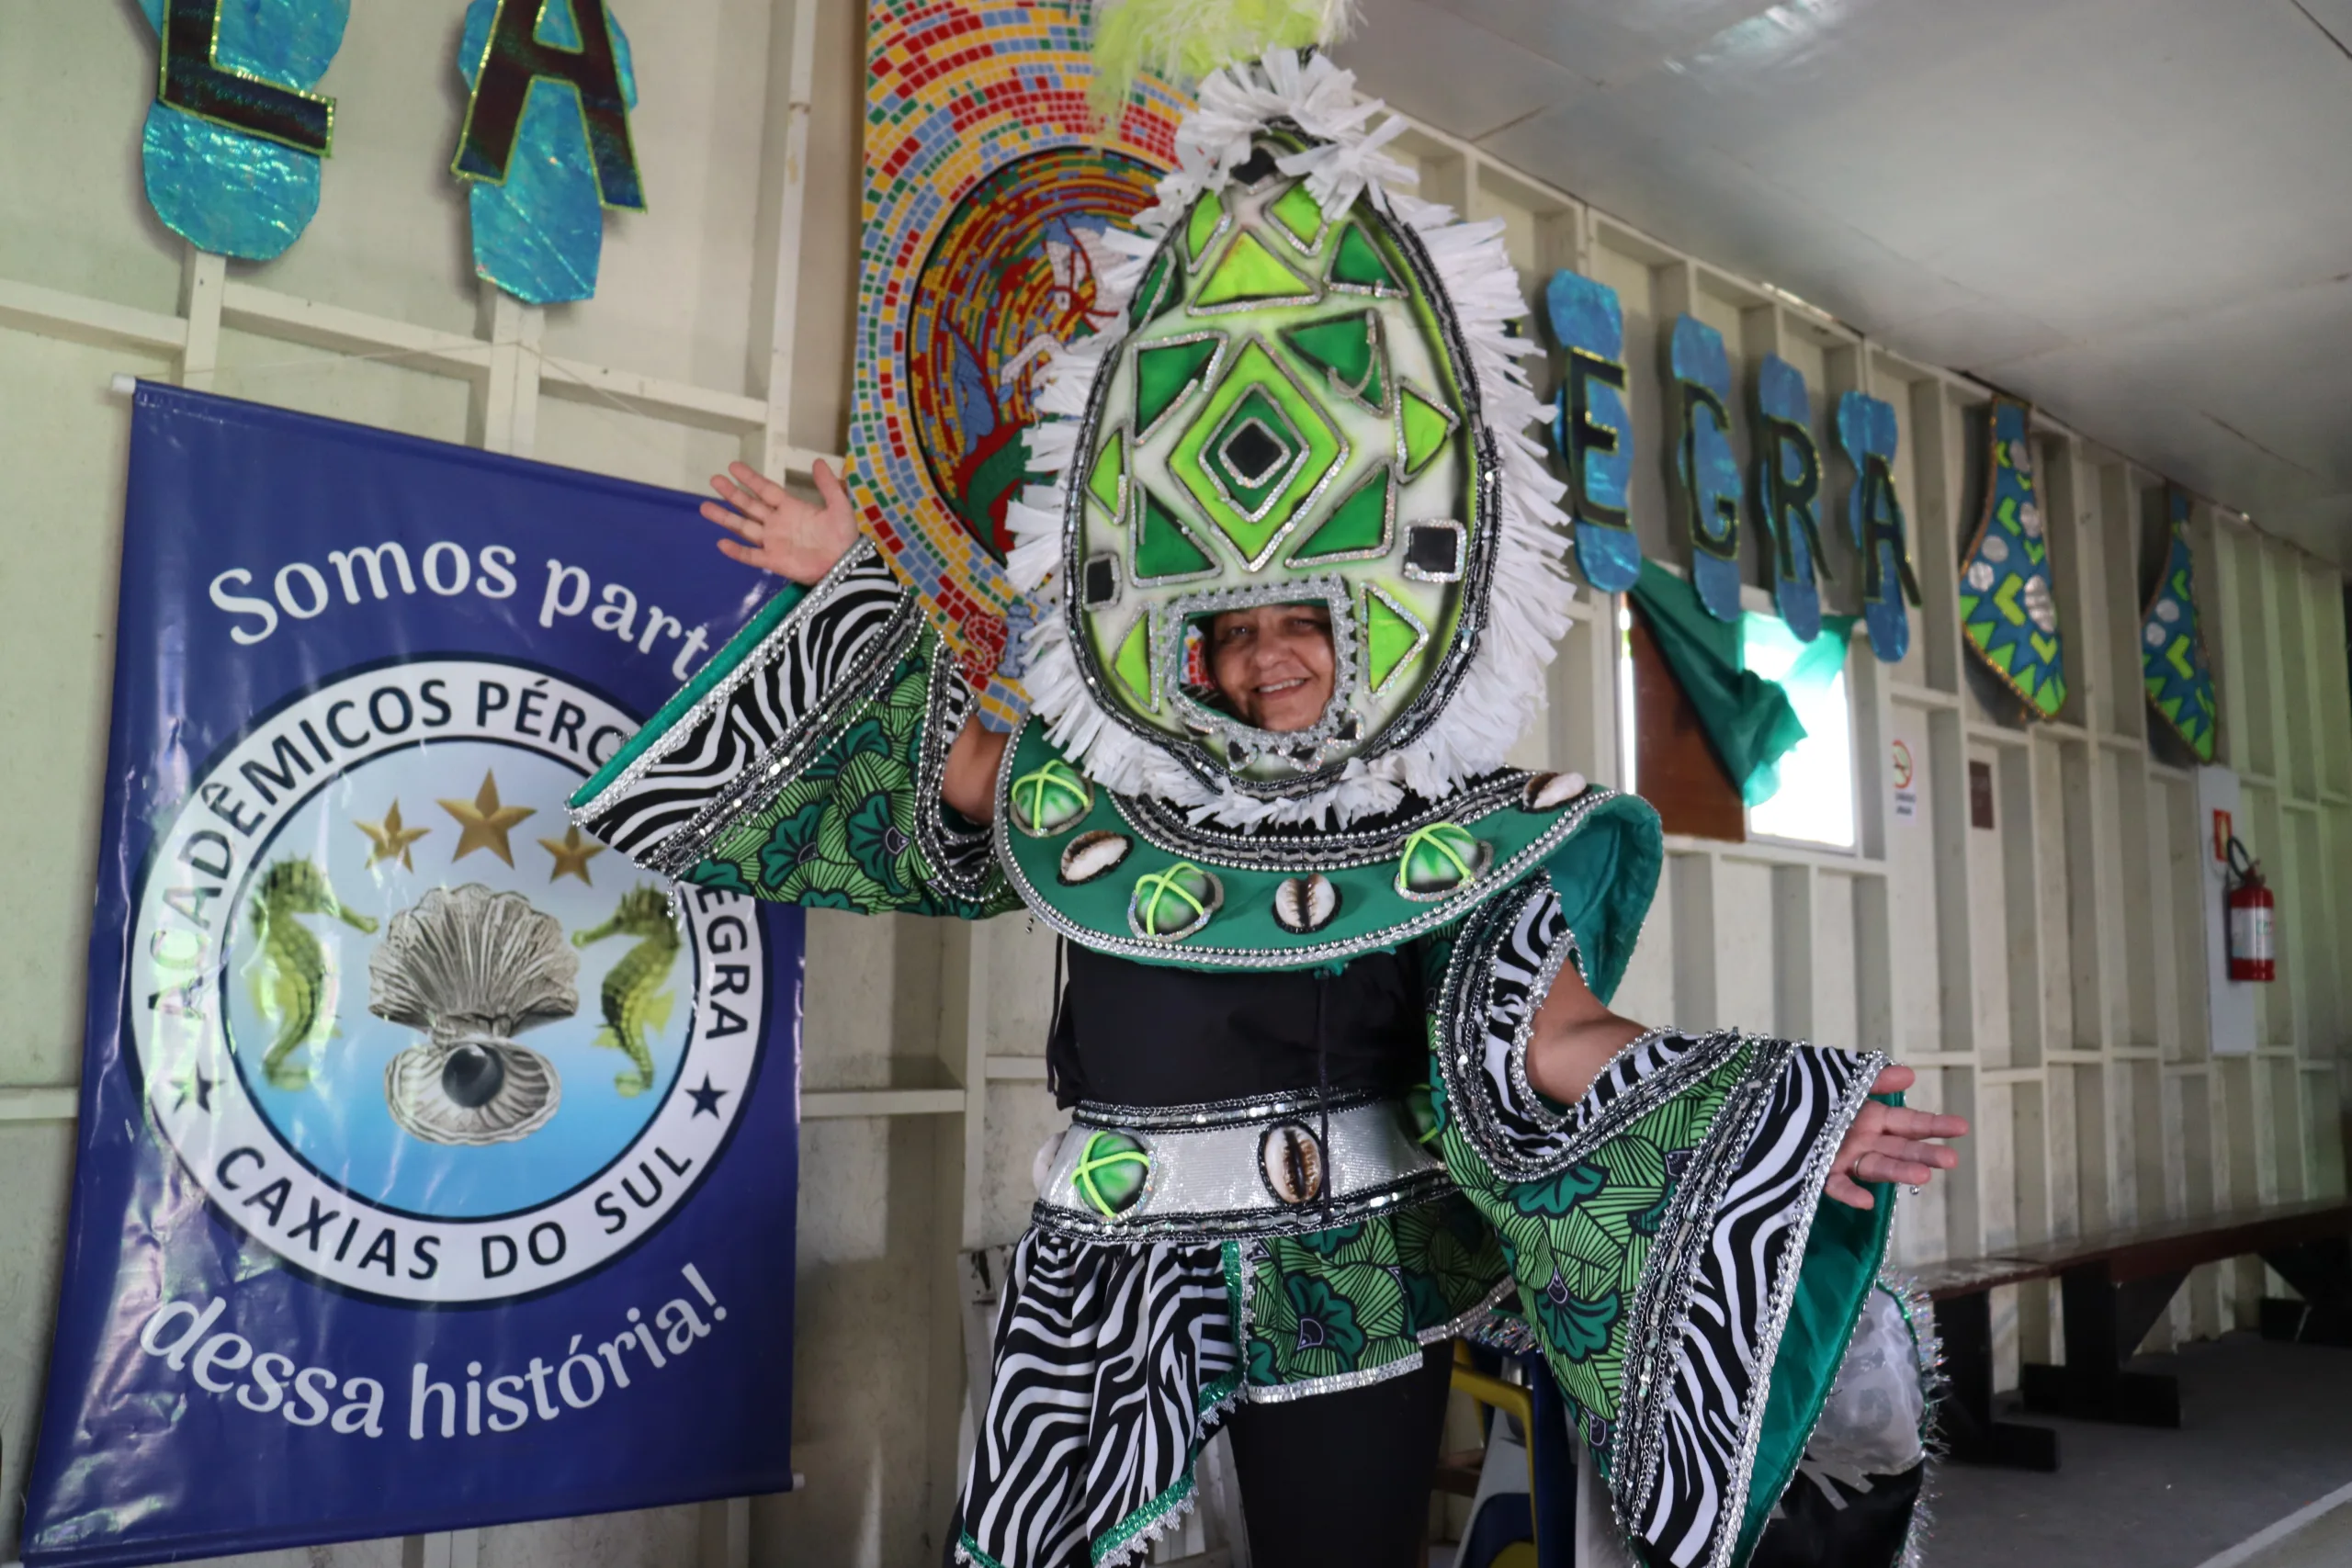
pixel 1527 599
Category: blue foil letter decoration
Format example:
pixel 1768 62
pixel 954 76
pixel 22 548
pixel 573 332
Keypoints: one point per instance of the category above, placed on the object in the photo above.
pixel 2007 610
pixel 1592 430
pixel 1707 472
pixel 232 142
pixel 1788 492
pixel 2172 644
pixel 1866 429
pixel 542 166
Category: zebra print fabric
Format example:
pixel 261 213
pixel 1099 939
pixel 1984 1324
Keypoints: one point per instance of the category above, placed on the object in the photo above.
pixel 1691 1491
pixel 778 701
pixel 1114 1366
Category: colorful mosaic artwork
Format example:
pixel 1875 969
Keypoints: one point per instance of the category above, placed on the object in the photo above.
pixel 1706 473
pixel 1788 492
pixel 1012 272
pixel 2007 608
pixel 2172 643
pixel 1867 429
pixel 1593 429
pixel 961 101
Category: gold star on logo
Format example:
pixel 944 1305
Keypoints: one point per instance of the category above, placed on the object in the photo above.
pixel 486 821
pixel 392 838
pixel 572 853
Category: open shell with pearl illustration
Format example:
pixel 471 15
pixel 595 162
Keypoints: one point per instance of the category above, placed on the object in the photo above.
pixel 473 969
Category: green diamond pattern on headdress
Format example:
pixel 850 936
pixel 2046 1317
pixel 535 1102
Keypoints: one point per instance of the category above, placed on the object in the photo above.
pixel 1111 1170
pixel 1253 452
pixel 1157 294
pixel 1426 425
pixel 1202 226
pixel 1133 662
pixel 1347 348
pixel 1391 637
pixel 1050 799
pixel 1166 373
pixel 1250 273
pixel 1357 529
pixel 1108 483
pixel 1356 266
pixel 1301 217
pixel 1259 423
pixel 1164 547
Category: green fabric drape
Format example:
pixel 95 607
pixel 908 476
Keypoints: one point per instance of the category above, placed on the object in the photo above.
pixel 1748 719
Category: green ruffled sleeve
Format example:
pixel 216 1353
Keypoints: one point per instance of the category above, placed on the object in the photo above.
pixel 803 764
pixel 1689 1288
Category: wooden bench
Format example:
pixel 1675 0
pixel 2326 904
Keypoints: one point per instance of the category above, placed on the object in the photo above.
pixel 2114 1286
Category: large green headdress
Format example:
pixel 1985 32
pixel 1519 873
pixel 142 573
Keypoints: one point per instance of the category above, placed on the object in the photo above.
pixel 1314 398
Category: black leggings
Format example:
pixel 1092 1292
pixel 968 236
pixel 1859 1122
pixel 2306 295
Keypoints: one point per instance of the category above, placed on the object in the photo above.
pixel 1343 1478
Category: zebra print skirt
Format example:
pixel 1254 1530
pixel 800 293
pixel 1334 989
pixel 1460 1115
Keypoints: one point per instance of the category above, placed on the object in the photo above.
pixel 1115 1363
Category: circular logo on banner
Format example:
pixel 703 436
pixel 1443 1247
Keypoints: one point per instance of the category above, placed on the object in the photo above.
pixel 414 1031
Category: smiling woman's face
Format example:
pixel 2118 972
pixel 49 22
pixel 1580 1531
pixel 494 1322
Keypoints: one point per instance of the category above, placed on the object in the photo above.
pixel 1273 664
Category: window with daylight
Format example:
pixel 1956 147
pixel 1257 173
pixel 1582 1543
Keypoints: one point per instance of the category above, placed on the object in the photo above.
pixel 1815 804
pixel 1665 756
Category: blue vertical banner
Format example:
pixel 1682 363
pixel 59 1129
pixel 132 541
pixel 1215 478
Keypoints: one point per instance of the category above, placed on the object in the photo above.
pixel 413 1190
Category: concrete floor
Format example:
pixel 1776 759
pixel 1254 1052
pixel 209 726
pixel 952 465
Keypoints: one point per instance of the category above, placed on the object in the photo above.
pixel 2265 1430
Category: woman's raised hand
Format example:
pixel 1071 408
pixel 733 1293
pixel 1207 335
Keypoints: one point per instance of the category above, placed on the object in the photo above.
pixel 777 531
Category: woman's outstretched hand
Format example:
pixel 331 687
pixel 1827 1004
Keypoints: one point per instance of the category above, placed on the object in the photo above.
pixel 1887 1144
pixel 775 531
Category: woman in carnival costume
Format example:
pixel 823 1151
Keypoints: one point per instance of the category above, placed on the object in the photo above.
pixel 1345 1082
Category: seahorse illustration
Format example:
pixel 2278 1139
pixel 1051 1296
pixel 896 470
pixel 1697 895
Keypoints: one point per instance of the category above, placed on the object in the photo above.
pixel 289 975
pixel 635 1003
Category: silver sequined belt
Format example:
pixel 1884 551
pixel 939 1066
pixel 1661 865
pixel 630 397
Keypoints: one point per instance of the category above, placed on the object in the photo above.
pixel 1272 1165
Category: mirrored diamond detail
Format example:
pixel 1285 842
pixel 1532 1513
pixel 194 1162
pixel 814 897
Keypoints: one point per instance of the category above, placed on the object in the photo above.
pixel 1256 452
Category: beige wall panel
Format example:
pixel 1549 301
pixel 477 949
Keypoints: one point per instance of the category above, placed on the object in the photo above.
pixel 336 386
pixel 654 1538
pixel 62 445
pixel 1912 893
pixel 36 1171
pixel 863 1402
pixel 1987 920
pixel 1747 939
pixel 1836 1020
pixel 603 439
pixel 76 81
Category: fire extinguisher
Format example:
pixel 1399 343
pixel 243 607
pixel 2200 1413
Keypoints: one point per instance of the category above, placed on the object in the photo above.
pixel 2253 914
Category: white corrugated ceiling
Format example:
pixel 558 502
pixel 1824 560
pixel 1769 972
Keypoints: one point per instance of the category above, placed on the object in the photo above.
pixel 2136 212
